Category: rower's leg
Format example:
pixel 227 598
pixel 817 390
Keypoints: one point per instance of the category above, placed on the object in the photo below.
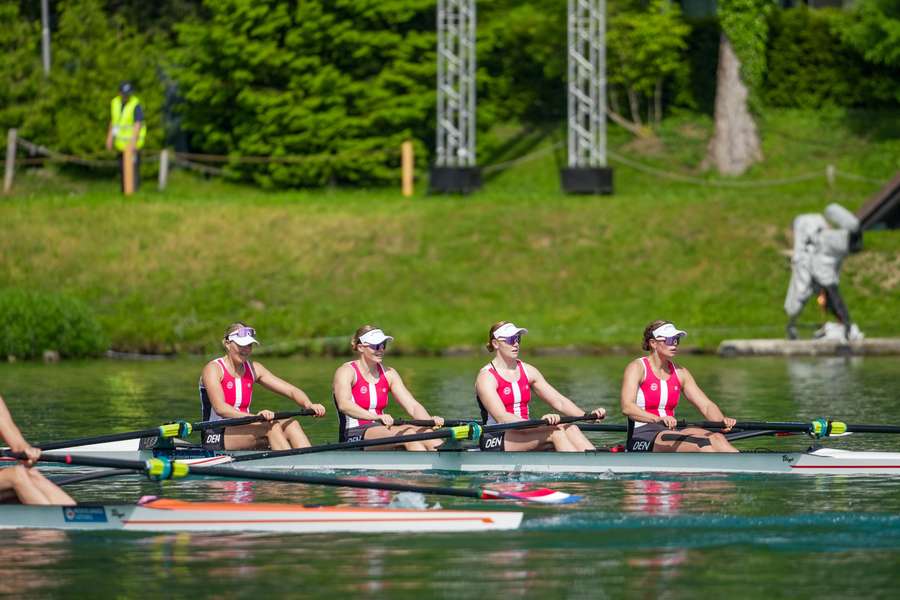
pixel 381 431
pixel 295 435
pixel 251 437
pixel 54 493
pixel 19 481
pixel 691 439
pixel 577 438
pixel 276 437
pixel 551 437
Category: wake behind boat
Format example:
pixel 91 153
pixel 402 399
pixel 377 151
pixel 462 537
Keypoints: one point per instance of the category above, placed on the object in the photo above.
pixel 164 515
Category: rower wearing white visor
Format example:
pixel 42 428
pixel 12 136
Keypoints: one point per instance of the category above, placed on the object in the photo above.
pixel 362 389
pixel 651 389
pixel 503 390
pixel 226 391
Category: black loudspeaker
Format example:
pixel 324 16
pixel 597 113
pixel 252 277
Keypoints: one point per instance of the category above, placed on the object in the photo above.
pixel 454 180
pixel 587 180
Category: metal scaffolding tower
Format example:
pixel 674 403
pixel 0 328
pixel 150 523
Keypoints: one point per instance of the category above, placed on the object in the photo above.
pixel 587 171
pixel 455 166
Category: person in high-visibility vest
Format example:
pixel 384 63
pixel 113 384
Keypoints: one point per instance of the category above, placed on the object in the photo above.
pixel 126 128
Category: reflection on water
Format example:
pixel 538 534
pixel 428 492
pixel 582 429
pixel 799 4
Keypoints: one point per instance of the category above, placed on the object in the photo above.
pixel 635 535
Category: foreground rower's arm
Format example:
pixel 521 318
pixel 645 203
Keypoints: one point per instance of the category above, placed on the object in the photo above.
pixel 275 384
pixel 631 381
pixel 486 387
pixel 13 437
pixel 556 400
pixel 412 406
pixel 709 409
pixel 343 396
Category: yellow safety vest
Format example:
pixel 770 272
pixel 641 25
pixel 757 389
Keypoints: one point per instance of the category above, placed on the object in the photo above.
pixel 123 123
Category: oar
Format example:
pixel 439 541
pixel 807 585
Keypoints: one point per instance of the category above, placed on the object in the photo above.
pixel 160 468
pixel 430 422
pixel 91 476
pixel 467 431
pixel 179 428
pixel 817 428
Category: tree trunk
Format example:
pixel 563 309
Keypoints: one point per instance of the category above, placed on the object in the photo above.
pixel 735 145
pixel 657 101
pixel 635 107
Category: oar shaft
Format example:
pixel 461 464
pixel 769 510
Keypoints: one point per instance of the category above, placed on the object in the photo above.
pixel 334 481
pixel 534 423
pixel 155 432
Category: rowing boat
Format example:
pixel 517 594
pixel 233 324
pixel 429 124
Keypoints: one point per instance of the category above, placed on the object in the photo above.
pixel 163 515
pixel 814 462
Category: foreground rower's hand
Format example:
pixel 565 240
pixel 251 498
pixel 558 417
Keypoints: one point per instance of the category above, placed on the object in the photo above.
pixel 668 421
pixel 386 420
pixel 729 423
pixel 438 421
pixel 318 409
pixel 551 418
pixel 31 453
pixel 268 415
pixel 599 413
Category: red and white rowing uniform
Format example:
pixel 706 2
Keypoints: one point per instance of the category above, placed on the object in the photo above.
pixel 655 396
pixel 514 395
pixel 369 396
pixel 238 391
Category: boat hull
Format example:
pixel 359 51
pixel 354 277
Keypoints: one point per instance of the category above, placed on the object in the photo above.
pixel 174 515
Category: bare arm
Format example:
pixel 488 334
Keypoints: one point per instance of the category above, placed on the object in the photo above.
pixel 281 387
pixel 342 385
pixel 9 432
pixel 709 409
pixel 556 400
pixel 109 136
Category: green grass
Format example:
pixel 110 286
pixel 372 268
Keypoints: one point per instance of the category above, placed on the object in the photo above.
pixel 167 271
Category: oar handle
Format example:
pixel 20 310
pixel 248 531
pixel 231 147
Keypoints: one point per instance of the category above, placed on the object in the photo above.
pixel 430 422
pixel 306 412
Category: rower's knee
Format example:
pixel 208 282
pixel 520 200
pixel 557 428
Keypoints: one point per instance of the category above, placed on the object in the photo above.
pixel 720 443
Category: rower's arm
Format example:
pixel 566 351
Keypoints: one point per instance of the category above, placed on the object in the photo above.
pixel 631 381
pixel 551 395
pixel 412 406
pixel 9 432
pixel 343 396
pixel 709 409
pixel 486 386
pixel 273 383
pixel 213 383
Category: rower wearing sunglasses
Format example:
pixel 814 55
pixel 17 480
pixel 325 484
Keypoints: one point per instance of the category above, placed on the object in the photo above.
pixel 503 390
pixel 226 391
pixel 361 394
pixel 651 389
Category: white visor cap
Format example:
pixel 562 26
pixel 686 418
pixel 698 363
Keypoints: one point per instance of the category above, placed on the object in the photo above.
pixel 374 337
pixel 668 330
pixel 508 330
pixel 242 340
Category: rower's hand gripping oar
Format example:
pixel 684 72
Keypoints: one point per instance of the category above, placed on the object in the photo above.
pixel 170 430
pixel 161 468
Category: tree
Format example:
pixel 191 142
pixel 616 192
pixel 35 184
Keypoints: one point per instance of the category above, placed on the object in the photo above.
pixel 645 48
pixel 20 66
pixel 735 145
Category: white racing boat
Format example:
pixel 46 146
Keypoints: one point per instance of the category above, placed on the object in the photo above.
pixel 164 515
pixel 822 461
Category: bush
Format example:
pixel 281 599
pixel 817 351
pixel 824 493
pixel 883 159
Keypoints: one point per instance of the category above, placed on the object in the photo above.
pixel 810 67
pixel 32 322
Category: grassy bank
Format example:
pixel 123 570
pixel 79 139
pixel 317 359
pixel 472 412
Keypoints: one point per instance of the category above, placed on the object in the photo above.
pixel 167 271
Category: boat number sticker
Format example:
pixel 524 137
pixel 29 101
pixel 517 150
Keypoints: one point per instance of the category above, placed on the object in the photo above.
pixel 84 514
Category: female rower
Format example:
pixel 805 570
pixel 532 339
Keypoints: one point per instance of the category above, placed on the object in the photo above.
pixel 28 485
pixel 503 390
pixel 651 389
pixel 361 389
pixel 226 391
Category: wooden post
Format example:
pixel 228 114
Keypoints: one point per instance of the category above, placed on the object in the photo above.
pixel 406 168
pixel 163 168
pixel 128 169
pixel 10 169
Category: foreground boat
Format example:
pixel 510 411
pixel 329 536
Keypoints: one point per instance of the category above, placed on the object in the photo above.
pixel 816 462
pixel 165 515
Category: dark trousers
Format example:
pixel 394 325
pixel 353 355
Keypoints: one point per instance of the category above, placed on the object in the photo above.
pixel 137 170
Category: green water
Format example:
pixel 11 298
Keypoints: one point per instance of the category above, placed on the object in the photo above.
pixel 631 536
